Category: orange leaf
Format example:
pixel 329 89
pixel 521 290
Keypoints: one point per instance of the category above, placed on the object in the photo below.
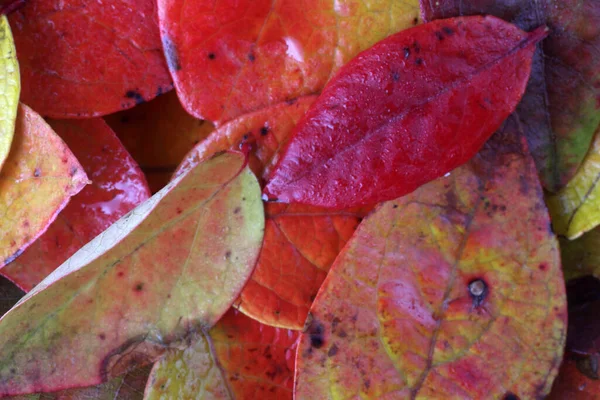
pixel 158 134
pixel 38 178
pixel 230 57
pixel 453 291
pixel 301 242
pixel 85 58
pixel 117 186
pixel 239 358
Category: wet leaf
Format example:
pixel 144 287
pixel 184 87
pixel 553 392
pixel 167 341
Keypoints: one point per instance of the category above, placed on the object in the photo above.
pixel 229 57
pixel 117 187
pixel 38 178
pixel 561 107
pixel 84 58
pixel 158 134
pixel 239 358
pixel 9 88
pixel 170 267
pixel 575 209
pixel 406 111
pixel 453 291
pixel 581 257
pixel 301 242
pixel 572 384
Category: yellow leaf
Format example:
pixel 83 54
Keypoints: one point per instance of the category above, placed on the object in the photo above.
pixel 575 209
pixel 10 87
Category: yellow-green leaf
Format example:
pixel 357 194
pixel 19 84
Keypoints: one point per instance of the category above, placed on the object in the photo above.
pixel 169 268
pixel 10 87
pixel 575 209
pixel 581 256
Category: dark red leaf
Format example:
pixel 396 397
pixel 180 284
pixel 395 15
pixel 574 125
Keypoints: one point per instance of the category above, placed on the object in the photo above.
pixel 561 107
pixel 406 111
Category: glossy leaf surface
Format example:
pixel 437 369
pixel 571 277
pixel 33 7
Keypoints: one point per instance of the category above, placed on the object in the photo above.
pixel 230 57
pixel 239 358
pixel 117 187
pixel 148 281
pixel 561 108
pixel 158 134
pixel 406 111
pixel 575 209
pixel 82 58
pixel 454 291
pixel 301 242
pixel 38 178
pixel 10 87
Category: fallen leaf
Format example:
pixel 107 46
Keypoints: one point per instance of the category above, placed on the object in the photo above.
pixel 561 107
pixel 228 58
pixel 117 187
pixel 301 242
pixel 151 279
pixel 239 358
pixel 454 291
pixel 125 387
pixel 9 88
pixel 581 257
pixel 38 178
pixel 158 134
pixel 83 58
pixel 408 110
pixel 578 377
pixel 575 209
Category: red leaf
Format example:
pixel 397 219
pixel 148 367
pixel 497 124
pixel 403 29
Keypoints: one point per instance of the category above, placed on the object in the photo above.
pixel 86 58
pixel 117 186
pixel 406 111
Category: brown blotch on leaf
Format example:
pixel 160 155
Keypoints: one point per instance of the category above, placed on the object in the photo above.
pixel 478 290
pixel 139 287
pixel 332 351
pixel 134 353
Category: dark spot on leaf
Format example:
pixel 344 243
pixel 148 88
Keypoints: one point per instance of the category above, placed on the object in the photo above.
pixel 478 290
pixel 415 21
pixel 251 57
pixel 395 206
pixel 510 396
pixel 332 351
pixel 246 136
pixel 406 52
pixel 13 257
pixel 73 171
pixel 179 210
pixel 417 47
pixel 212 56
pixel 102 336
pixel 395 76
pixel 171 54
pixel 139 287
pixel 543 267
pixel 37 173
pixel 439 35
pixel 447 30
pixel 237 210
pixel 419 61
pixel 120 274
pixel 291 101
pixel 13 371
pixel 315 331
pixel 134 94
pixel 228 254
pixel 367 383
pixel 264 130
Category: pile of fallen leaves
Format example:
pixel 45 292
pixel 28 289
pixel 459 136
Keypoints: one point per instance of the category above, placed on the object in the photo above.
pixel 267 199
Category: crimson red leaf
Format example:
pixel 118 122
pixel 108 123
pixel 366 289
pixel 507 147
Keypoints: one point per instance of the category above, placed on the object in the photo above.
pixel 84 58
pixel 406 111
pixel 561 107
pixel 117 187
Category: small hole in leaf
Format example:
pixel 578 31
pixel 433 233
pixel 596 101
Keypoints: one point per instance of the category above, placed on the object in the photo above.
pixel 478 291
